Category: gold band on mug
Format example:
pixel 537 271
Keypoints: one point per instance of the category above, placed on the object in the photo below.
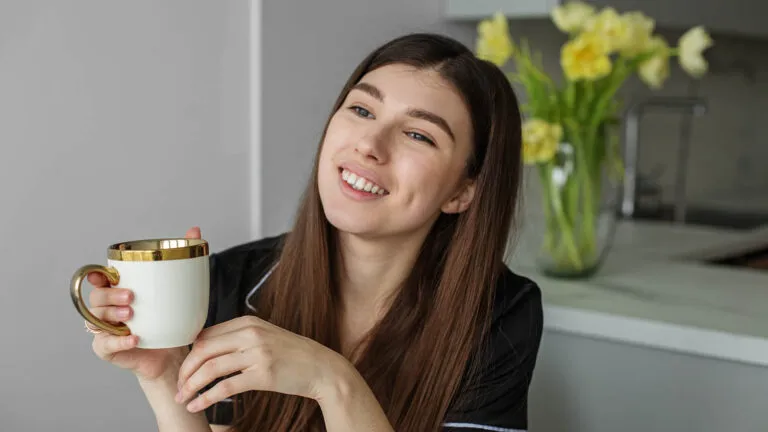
pixel 158 250
pixel 76 293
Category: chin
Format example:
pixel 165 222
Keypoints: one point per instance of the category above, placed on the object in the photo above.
pixel 351 222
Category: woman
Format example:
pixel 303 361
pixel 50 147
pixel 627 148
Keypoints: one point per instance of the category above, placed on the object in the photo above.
pixel 387 306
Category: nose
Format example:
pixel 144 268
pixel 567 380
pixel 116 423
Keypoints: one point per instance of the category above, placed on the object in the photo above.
pixel 373 145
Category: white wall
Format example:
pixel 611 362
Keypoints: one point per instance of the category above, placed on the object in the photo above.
pixel 118 120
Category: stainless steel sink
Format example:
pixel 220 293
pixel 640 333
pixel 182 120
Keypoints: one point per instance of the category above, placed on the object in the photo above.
pixel 755 259
pixel 705 216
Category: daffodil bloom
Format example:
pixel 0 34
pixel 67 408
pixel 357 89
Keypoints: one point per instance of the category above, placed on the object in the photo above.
pixel 571 17
pixel 655 70
pixel 585 57
pixel 494 43
pixel 611 28
pixel 540 140
pixel 690 48
pixel 639 30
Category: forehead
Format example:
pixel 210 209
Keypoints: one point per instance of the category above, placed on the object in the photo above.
pixel 406 87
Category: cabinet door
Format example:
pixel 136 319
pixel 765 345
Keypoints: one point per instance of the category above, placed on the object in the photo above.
pixel 744 17
pixel 480 9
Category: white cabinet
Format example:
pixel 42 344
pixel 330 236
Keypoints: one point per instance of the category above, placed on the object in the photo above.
pixel 739 17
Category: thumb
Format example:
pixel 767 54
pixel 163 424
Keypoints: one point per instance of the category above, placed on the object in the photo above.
pixel 193 233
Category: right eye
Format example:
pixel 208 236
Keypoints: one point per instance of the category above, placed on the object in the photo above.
pixel 362 112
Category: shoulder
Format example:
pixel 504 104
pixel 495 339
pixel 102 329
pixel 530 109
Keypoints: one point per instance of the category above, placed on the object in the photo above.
pixel 252 254
pixel 495 395
pixel 517 306
pixel 516 325
pixel 244 264
pixel 235 271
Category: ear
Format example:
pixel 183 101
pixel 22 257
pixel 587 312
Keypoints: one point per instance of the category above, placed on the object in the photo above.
pixel 462 199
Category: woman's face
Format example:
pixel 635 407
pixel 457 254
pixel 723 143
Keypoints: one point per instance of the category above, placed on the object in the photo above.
pixel 395 153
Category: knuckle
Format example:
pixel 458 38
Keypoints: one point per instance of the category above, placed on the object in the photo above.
pixel 95 297
pixel 225 387
pixel 253 333
pixel 266 355
pixel 211 366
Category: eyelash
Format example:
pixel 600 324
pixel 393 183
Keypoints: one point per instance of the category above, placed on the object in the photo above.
pixel 414 135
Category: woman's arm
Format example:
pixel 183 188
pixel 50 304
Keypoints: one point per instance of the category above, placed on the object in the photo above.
pixel 171 416
pixel 349 405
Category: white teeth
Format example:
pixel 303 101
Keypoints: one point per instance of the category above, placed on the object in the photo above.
pixel 361 183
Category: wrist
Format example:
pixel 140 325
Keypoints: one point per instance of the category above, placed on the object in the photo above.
pixel 339 383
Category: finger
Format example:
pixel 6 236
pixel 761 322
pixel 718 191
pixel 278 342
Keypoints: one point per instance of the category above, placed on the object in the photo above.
pixel 230 326
pixel 97 279
pixel 212 370
pixel 112 313
pixel 193 233
pixel 202 351
pixel 106 345
pixel 222 390
pixel 110 296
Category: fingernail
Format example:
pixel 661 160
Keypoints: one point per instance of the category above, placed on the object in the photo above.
pixel 122 313
pixel 193 406
pixel 125 297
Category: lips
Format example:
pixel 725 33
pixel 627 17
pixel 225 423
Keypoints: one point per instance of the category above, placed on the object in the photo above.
pixel 362 179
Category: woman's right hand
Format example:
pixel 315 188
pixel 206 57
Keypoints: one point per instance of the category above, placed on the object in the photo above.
pixel 113 305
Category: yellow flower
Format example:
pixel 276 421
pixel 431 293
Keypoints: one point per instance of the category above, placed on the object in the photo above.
pixel 611 28
pixel 655 70
pixel 585 57
pixel 571 17
pixel 540 140
pixel 691 46
pixel 493 42
pixel 639 31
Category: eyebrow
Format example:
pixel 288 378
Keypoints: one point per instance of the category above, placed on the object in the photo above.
pixel 438 121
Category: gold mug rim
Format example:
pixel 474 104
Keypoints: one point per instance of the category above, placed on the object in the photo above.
pixel 157 249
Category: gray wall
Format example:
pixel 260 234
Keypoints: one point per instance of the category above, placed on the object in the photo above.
pixel 118 120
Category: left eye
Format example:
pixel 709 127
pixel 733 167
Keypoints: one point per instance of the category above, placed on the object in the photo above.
pixel 419 137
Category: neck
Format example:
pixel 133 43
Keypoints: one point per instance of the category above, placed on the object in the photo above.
pixel 370 270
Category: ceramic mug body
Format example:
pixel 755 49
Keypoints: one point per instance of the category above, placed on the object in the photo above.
pixel 170 279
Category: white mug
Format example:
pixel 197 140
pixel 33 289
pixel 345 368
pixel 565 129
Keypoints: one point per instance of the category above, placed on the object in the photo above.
pixel 170 281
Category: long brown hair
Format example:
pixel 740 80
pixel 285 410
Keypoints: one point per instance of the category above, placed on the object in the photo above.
pixel 416 357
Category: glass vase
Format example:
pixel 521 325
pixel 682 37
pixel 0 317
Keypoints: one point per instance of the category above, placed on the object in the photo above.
pixel 580 202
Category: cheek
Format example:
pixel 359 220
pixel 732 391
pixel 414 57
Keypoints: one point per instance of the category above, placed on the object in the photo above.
pixel 429 181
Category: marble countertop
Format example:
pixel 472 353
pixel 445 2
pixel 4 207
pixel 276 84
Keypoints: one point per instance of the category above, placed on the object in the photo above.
pixel 655 290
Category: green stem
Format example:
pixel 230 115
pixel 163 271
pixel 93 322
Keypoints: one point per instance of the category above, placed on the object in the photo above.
pixel 566 229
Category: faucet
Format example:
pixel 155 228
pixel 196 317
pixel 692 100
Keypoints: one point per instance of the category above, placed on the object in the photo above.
pixel 693 105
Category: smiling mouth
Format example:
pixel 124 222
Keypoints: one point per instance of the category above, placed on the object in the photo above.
pixel 361 183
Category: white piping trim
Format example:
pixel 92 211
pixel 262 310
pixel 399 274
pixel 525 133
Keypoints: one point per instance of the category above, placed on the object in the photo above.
pixel 254 289
pixel 481 427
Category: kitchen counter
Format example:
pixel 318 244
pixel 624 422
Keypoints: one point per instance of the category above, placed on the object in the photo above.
pixel 655 290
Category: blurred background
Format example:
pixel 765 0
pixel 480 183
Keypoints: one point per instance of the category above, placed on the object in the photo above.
pixel 123 120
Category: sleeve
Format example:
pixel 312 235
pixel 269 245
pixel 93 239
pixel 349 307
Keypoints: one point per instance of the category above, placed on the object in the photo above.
pixel 225 301
pixel 497 399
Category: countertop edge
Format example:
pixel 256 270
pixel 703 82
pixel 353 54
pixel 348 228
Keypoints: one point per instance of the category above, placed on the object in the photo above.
pixel 656 334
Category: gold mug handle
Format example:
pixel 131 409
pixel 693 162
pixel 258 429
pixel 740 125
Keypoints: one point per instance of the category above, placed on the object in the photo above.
pixel 75 291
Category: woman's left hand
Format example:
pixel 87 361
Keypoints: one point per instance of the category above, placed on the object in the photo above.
pixel 268 358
